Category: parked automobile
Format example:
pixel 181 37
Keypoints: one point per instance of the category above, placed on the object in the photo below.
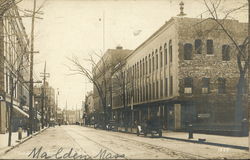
pixel 152 126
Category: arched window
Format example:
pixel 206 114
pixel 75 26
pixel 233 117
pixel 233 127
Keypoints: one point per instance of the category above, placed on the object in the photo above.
pixel 156 59
pixel 170 51
pixel 153 62
pixel 165 53
pixel 161 59
pixel 188 48
pixel 149 65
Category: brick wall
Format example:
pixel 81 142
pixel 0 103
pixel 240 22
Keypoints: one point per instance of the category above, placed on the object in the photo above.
pixel 222 106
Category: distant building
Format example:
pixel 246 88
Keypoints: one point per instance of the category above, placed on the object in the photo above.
pixel 89 109
pixel 102 75
pixel 72 116
pixel 49 101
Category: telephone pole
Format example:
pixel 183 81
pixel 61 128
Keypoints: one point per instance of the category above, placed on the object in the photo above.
pixel 44 75
pixel 248 77
pixel 31 69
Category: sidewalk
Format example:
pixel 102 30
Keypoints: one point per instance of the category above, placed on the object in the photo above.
pixel 218 140
pixel 14 140
pixel 4 139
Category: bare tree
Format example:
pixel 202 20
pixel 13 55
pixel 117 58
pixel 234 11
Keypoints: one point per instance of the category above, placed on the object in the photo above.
pixel 220 24
pixel 122 85
pixel 98 75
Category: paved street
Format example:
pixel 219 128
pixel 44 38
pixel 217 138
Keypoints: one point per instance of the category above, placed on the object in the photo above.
pixel 85 142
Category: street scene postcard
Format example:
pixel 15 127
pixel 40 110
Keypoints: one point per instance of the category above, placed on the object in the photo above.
pixel 124 79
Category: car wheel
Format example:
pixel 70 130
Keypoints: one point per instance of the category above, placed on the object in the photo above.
pixel 152 134
pixel 160 134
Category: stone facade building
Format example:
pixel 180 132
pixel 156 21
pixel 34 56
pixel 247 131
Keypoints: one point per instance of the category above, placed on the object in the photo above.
pixel 14 61
pixel 186 72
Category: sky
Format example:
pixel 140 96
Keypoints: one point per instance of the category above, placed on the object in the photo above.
pixel 76 27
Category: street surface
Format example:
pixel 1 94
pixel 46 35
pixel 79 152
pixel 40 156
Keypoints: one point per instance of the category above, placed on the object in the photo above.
pixel 71 141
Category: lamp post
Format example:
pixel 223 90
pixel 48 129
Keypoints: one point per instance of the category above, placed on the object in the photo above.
pixel 36 120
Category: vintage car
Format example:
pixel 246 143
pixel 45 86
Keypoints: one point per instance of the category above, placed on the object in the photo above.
pixel 152 126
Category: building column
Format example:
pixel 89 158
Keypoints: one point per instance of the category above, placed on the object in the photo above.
pixel 177 116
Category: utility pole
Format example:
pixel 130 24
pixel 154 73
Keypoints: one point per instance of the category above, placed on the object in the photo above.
pixel 57 94
pixel 44 75
pixel 31 69
pixel 66 112
pixel 248 78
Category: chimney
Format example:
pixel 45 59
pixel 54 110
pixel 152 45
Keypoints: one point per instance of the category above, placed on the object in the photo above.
pixel 119 47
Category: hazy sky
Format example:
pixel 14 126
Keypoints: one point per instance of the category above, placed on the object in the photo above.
pixel 75 27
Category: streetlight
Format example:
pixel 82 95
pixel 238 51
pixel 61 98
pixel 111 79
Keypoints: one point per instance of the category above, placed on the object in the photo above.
pixel 36 120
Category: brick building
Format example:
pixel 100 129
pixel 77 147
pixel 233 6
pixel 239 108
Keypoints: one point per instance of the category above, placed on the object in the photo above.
pixel 186 72
pixel 102 76
pixel 49 101
pixel 14 44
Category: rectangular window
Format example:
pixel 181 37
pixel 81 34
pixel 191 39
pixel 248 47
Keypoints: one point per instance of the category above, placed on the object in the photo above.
pixel 226 53
pixel 171 86
pixel 205 85
pixel 188 49
pixel 221 85
pixel 210 46
pixel 198 46
pixel 166 87
pixel 188 85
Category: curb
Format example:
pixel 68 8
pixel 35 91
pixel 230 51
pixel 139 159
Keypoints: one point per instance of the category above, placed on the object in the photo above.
pixel 196 141
pixel 22 141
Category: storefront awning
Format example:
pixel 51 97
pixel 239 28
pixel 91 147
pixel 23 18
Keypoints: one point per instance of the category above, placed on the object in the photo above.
pixel 20 111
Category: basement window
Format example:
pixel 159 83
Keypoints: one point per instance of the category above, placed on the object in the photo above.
pixel 205 85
